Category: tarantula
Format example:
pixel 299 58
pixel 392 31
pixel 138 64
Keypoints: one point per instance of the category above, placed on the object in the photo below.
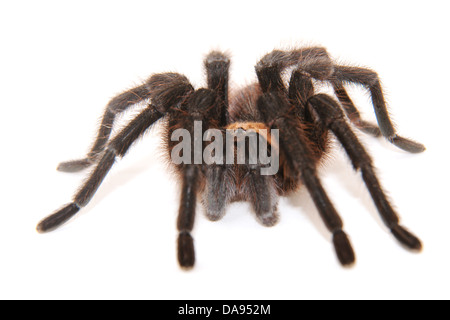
pixel 303 117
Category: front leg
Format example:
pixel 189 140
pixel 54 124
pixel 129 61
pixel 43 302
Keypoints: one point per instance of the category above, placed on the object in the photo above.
pixel 186 216
pixel 117 105
pixel 370 80
pixel 299 163
pixel 164 90
pixel 117 147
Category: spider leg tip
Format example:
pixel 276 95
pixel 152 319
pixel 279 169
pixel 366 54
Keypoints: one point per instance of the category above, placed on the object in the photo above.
pixel 269 219
pixel 407 239
pixel 187 267
pixel 348 264
pixel 74 165
pixel 186 252
pixel 343 249
pixel 45 226
pixel 56 219
pixel 407 144
pixel 40 228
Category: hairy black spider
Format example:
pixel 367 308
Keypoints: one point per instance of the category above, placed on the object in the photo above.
pixel 304 120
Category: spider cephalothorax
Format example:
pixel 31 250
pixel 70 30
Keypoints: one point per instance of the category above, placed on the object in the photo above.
pixel 302 119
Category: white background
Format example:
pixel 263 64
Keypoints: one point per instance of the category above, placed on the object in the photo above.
pixel 60 63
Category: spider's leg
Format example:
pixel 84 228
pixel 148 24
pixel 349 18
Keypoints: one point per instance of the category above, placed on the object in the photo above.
pixel 300 162
pixel 330 113
pixel 196 117
pixel 217 65
pixel 370 80
pixel 314 61
pixel 164 89
pixel 353 113
pixel 186 216
pixel 116 147
pixel 117 105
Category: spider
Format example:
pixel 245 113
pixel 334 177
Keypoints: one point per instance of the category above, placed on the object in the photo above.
pixel 305 120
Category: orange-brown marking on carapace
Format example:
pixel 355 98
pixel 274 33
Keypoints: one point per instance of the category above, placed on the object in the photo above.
pixel 258 127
